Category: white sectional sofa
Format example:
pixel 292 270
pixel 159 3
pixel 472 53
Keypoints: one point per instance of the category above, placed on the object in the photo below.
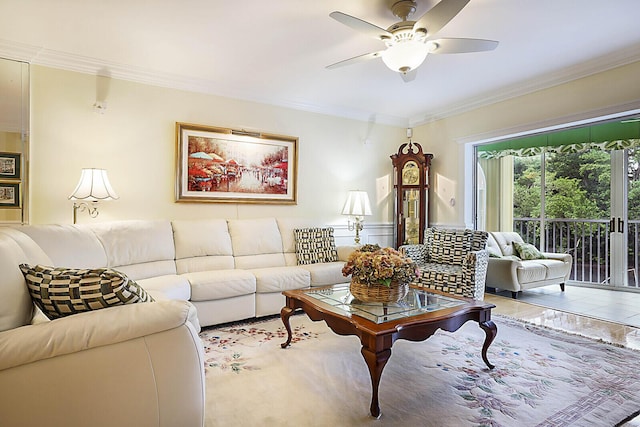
pixel 228 269
pixel 200 273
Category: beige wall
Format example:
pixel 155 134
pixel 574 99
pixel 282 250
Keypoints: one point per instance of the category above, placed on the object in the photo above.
pixel 135 141
pixel 611 91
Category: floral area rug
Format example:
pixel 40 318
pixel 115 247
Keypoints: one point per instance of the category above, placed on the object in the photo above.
pixel 542 378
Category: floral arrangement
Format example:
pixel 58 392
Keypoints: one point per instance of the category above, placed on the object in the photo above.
pixel 371 265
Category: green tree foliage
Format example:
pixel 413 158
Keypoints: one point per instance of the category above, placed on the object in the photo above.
pixel 527 187
pixel 578 185
pixel 565 199
pixel 591 170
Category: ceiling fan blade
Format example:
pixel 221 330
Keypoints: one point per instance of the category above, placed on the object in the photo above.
pixel 450 45
pixel 410 76
pixel 439 15
pixel 354 60
pixel 362 26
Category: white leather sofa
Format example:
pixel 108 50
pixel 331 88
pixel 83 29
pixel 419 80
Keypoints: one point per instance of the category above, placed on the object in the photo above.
pixel 138 364
pixel 506 271
pixel 131 365
pixel 228 269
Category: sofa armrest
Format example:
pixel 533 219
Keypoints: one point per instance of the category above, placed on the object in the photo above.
pixel 345 251
pixel 502 273
pixel 566 258
pixel 139 364
pixel 418 253
pixel 85 331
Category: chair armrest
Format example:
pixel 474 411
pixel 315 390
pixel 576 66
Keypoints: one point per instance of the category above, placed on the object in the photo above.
pixel 418 253
pixel 85 331
pixel 474 269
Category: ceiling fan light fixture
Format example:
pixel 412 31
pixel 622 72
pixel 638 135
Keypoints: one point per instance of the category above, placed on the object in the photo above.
pixel 405 56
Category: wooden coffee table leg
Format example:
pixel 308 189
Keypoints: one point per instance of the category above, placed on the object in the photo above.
pixel 285 313
pixel 375 363
pixel 490 331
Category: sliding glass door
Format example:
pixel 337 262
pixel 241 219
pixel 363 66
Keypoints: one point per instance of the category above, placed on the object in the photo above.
pixel 582 199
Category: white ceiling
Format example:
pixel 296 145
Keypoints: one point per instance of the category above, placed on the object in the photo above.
pixel 275 51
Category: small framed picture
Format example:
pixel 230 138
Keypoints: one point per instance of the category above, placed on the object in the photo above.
pixel 9 195
pixel 10 165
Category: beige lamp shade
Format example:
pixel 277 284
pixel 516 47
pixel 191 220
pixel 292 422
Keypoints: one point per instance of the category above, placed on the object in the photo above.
pixel 93 186
pixel 357 204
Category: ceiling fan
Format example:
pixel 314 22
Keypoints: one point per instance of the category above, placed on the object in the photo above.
pixel 409 42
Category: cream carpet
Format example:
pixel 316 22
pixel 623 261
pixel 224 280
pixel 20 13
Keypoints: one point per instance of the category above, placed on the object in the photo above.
pixel 542 378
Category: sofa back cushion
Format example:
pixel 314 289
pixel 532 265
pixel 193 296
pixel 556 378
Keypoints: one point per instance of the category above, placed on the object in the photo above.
pixel 140 249
pixel 16 307
pixel 256 243
pixel 493 248
pixel 505 240
pixel 68 245
pixel 448 246
pixel 202 245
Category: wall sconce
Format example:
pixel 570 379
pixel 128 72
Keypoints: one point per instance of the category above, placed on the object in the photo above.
pixel 357 206
pixel 93 186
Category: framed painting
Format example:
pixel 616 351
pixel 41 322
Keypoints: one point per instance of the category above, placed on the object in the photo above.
pixel 10 165
pixel 231 165
pixel 9 195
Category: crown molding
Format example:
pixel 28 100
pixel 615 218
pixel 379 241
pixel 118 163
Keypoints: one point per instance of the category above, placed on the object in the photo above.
pixel 607 62
pixel 39 55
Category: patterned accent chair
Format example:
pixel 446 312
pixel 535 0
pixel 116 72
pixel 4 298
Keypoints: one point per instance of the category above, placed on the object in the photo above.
pixel 452 261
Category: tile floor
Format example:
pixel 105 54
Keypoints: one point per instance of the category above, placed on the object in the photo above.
pixel 597 313
pixel 617 306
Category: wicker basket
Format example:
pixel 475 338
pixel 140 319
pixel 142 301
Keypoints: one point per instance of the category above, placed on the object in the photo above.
pixel 378 293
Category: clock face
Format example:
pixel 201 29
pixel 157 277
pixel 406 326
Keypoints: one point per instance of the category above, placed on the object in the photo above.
pixel 410 174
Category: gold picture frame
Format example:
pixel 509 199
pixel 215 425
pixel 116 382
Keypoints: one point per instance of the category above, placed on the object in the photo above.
pixel 216 164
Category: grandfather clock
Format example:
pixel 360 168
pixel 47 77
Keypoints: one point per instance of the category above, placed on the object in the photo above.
pixel 411 193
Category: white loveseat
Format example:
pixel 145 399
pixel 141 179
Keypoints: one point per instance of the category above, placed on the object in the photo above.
pixel 146 357
pixel 508 272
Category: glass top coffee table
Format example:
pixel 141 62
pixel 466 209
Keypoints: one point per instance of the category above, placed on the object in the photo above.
pixel 378 325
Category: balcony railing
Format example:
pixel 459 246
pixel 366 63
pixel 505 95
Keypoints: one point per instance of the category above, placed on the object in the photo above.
pixel 588 241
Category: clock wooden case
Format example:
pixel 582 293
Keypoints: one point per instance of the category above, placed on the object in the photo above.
pixel 411 185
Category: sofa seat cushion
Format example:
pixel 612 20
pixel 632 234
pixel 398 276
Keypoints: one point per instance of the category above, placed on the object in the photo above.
pixel 220 284
pixel 441 274
pixel 171 286
pixel 555 268
pixel 531 271
pixel 326 273
pixel 60 292
pixel 278 279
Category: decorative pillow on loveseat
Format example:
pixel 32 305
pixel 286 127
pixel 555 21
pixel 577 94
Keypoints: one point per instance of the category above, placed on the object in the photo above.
pixel 527 251
pixel 315 245
pixel 60 292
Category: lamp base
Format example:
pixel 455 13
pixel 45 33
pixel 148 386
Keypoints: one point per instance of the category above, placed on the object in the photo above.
pixel 357 225
pixel 92 210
